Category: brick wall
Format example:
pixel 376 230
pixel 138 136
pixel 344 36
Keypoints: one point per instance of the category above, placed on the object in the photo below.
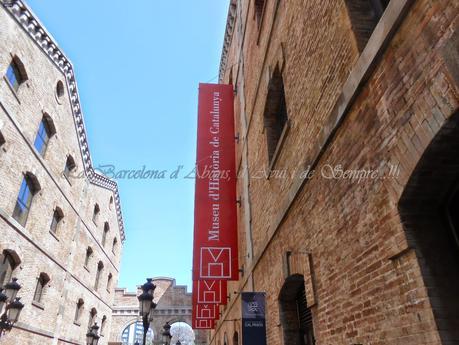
pixel 376 110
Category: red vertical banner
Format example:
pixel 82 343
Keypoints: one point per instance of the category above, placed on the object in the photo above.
pixel 210 292
pixel 215 217
pixel 215 256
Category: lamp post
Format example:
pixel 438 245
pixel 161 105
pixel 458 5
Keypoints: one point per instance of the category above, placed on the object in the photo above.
pixel 146 306
pixel 167 336
pixel 92 337
pixel 12 305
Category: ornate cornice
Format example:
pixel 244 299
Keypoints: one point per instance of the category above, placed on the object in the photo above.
pixel 228 38
pixel 30 23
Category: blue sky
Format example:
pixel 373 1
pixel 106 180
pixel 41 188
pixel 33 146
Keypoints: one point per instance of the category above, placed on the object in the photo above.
pixel 138 65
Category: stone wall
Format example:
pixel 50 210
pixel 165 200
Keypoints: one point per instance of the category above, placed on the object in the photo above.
pixel 61 255
pixel 173 305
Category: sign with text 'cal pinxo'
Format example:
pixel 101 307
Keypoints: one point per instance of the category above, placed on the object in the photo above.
pixel 215 216
pixel 253 318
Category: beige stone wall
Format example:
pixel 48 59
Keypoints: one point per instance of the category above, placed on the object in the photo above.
pixel 173 305
pixel 367 286
pixel 61 256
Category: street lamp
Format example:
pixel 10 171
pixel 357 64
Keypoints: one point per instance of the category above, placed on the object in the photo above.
pixel 92 337
pixel 12 305
pixel 167 336
pixel 146 306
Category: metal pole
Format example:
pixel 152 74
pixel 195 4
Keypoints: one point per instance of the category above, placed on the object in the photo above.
pixel 146 324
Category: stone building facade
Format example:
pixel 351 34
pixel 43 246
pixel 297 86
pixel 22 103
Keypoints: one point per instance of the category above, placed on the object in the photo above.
pixel 173 305
pixel 61 228
pixel 347 157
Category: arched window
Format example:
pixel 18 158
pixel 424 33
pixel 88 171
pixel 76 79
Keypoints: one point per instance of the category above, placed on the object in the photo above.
pixel 42 280
pixel 103 325
pixel 95 214
pixel 92 317
pixel 105 233
pixel 16 73
pixel 275 116
pixel 364 15
pixel 29 187
pixel 2 139
pixel 8 263
pixel 45 131
pixel 182 332
pixel 78 310
pixel 70 167
pixel 295 316
pixel 225 339
pixel 89 252
pixel 453 215
pixel 133 333
pixel 236 338
pixel 59 91
pixel 110 204
pixel 109 282
pixel 100 267
pixel 115 245
pixel 58 215
pixel 259 9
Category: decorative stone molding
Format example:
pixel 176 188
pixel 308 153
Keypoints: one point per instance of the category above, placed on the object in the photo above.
pixel 228 38
pixel 30 23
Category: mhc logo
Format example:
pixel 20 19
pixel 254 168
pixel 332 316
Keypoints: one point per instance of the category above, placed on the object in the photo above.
pixel 206 311
pixel 211 291
pixel 203 324
pixel 215 263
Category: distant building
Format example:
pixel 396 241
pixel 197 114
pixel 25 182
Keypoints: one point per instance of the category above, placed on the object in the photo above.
pixel 173 305
pixel 61 229
pixel 347 114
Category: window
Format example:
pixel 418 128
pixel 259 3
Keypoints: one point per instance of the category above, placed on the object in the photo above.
pixel 105 233
pixel 59 91
pixel 78 310
pixel 29 187
pixel 259 9
pixel 2 139
pixel 92 317
pixel 100 267
pixel 103 324
pixel 96 213
pixel 295 316
pixel 42 280
pixel 15 74
pixel 7 266
pixel 110 205
pixel 70 166
pixel 58 215
pixel 109 281
pixel 45 131
pixel 364 15
pixel 89 252
pixel 453 213
pixel 115 244
pixel 236 338
pixel 275 116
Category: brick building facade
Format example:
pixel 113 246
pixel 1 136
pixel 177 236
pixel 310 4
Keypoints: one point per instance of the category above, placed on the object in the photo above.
pixel 173 305
pixel 347 157
pixel 61 229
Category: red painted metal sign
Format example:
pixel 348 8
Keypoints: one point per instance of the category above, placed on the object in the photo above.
pixel 215 256
pixel 215 226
